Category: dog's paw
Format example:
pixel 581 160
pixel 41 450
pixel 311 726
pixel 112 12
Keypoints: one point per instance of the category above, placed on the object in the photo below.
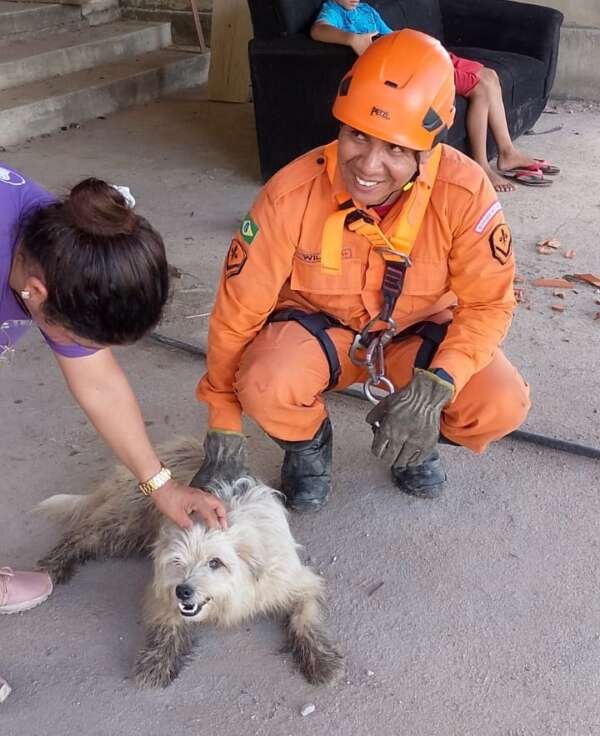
pixel 152 671
pixel 324 665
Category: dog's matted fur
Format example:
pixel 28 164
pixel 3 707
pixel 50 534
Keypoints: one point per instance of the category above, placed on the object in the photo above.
pixel 200 576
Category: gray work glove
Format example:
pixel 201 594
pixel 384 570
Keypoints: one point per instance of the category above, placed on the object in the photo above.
pixel 225 458
pixel 407 423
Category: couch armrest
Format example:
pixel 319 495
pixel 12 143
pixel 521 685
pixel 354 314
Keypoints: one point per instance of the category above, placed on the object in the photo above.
pixel 503 25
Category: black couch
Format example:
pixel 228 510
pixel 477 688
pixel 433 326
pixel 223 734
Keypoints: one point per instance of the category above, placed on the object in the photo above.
pixel 294 79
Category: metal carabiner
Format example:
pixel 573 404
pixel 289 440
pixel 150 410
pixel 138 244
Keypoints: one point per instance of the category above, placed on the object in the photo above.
pixel 369 385
pixel 363 340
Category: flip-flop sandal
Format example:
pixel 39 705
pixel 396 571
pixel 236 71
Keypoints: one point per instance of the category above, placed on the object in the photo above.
pixel 529 177
pixel 546 167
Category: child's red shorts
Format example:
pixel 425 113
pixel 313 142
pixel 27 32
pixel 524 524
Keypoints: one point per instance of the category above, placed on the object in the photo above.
pixel 466 74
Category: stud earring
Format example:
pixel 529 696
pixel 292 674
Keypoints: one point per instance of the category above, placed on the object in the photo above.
pixel 25 294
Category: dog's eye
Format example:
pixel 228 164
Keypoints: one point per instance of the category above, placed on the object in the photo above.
pixel 215 563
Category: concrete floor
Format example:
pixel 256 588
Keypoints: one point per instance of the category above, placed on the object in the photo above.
pixel 487 621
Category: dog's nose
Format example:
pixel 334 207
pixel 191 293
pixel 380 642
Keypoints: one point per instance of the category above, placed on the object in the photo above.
pixel 184 592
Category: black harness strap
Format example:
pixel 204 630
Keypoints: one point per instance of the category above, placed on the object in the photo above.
pixel 432 335
pixel 391 288
pixel 317 323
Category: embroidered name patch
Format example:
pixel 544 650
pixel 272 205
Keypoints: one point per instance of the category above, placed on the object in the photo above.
pixel 236 258
pixel 501 243
pixel 487 216
pixel 249 229
pixel 316 257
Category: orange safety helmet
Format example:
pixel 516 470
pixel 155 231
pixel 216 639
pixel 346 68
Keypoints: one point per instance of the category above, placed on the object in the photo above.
pixel 400 90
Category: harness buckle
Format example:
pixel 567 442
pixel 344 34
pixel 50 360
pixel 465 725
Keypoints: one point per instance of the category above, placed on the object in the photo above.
pixel 373 344
pixel 391 254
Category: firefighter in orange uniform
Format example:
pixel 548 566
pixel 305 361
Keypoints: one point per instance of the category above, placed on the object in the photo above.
pixel 385 239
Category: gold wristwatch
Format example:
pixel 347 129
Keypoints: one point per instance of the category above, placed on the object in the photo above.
pixel 157 481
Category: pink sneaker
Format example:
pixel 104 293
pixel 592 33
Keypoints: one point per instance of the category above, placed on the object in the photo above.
pixel 4 689
pixel 20 591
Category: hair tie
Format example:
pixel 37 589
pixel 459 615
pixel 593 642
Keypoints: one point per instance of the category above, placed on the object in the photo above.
pixel 126 194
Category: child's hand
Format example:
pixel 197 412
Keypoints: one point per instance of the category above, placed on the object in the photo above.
pixel 360 42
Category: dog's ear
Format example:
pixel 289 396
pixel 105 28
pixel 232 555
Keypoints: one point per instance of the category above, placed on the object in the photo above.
pixel 248 553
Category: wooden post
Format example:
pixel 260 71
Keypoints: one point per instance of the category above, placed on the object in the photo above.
pixel 229 73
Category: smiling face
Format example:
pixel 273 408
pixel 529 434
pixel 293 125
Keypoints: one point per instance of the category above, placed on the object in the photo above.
pixel 374 171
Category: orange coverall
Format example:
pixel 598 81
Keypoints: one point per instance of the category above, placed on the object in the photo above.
pixel 462 269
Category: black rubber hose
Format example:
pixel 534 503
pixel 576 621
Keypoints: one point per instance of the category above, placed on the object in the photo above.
pixel 573 448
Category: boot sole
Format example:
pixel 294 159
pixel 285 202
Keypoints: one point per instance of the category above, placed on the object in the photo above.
pixel 307 508
pixel 430 493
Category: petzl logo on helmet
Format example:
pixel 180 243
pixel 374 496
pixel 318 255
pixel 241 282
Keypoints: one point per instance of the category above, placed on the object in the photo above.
pixel 378 112
pixel 11 177
pixel 249 229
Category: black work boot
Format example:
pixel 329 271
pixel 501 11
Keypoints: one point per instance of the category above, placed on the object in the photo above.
pixel 306 470
pixel 425 480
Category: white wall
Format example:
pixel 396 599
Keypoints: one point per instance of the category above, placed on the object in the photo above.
pixel 576 12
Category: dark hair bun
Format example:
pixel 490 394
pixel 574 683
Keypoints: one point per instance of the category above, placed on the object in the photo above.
pixel 97 208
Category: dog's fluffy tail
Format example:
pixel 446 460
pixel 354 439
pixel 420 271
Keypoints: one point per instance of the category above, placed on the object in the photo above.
pixel 62 507
pixel 317 658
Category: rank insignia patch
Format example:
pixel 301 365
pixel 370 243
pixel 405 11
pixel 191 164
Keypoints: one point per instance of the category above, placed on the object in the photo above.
pixel 501 243
pixel 236 258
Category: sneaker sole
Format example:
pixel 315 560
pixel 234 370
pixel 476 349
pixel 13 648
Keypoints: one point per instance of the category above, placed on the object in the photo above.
pixel 20 607
pixel 4 691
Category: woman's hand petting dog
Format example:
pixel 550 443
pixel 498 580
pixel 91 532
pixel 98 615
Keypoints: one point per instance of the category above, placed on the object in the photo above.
pixel 177 502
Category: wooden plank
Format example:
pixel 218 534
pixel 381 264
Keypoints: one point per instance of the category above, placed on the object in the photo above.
pixel 199 31
pixel 229 73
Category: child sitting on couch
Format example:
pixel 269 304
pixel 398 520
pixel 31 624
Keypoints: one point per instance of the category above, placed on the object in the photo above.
pixel 356 24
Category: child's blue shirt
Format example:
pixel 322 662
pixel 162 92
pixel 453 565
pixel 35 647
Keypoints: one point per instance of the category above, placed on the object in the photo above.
pixel 362 19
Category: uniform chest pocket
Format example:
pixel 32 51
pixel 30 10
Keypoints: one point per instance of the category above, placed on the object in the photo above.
pixel 426 277
pixel 309 277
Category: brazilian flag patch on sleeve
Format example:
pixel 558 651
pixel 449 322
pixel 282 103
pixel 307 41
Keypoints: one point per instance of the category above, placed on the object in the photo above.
pixel 249 229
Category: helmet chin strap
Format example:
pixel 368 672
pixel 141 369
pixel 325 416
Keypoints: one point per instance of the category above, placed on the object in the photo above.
pixel 398 192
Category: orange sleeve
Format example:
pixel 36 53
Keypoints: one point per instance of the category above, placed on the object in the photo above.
pixel 482 268
pixel 257 265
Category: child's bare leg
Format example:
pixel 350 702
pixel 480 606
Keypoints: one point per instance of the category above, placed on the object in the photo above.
pixel 509 156
pixel 477 118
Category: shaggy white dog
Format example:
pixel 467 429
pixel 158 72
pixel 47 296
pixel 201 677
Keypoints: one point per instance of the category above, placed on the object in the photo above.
pixel 200 576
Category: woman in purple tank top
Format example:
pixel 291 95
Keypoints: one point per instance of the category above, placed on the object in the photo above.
pixel 90 273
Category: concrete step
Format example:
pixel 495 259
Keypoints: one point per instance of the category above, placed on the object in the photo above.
pixel 46 106
pixel 23 62
pixel 35 20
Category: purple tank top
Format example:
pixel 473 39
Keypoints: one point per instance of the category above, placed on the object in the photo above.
pixel 18 196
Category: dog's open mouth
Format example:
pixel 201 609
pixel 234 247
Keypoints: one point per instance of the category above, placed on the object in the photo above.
pixel 191 609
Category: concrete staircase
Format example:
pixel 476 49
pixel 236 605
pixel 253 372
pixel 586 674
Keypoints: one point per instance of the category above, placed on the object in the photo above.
pixel 58 68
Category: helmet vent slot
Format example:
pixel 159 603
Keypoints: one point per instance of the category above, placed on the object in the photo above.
pixel 345 86
pixel 432 120
pixel 391 84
